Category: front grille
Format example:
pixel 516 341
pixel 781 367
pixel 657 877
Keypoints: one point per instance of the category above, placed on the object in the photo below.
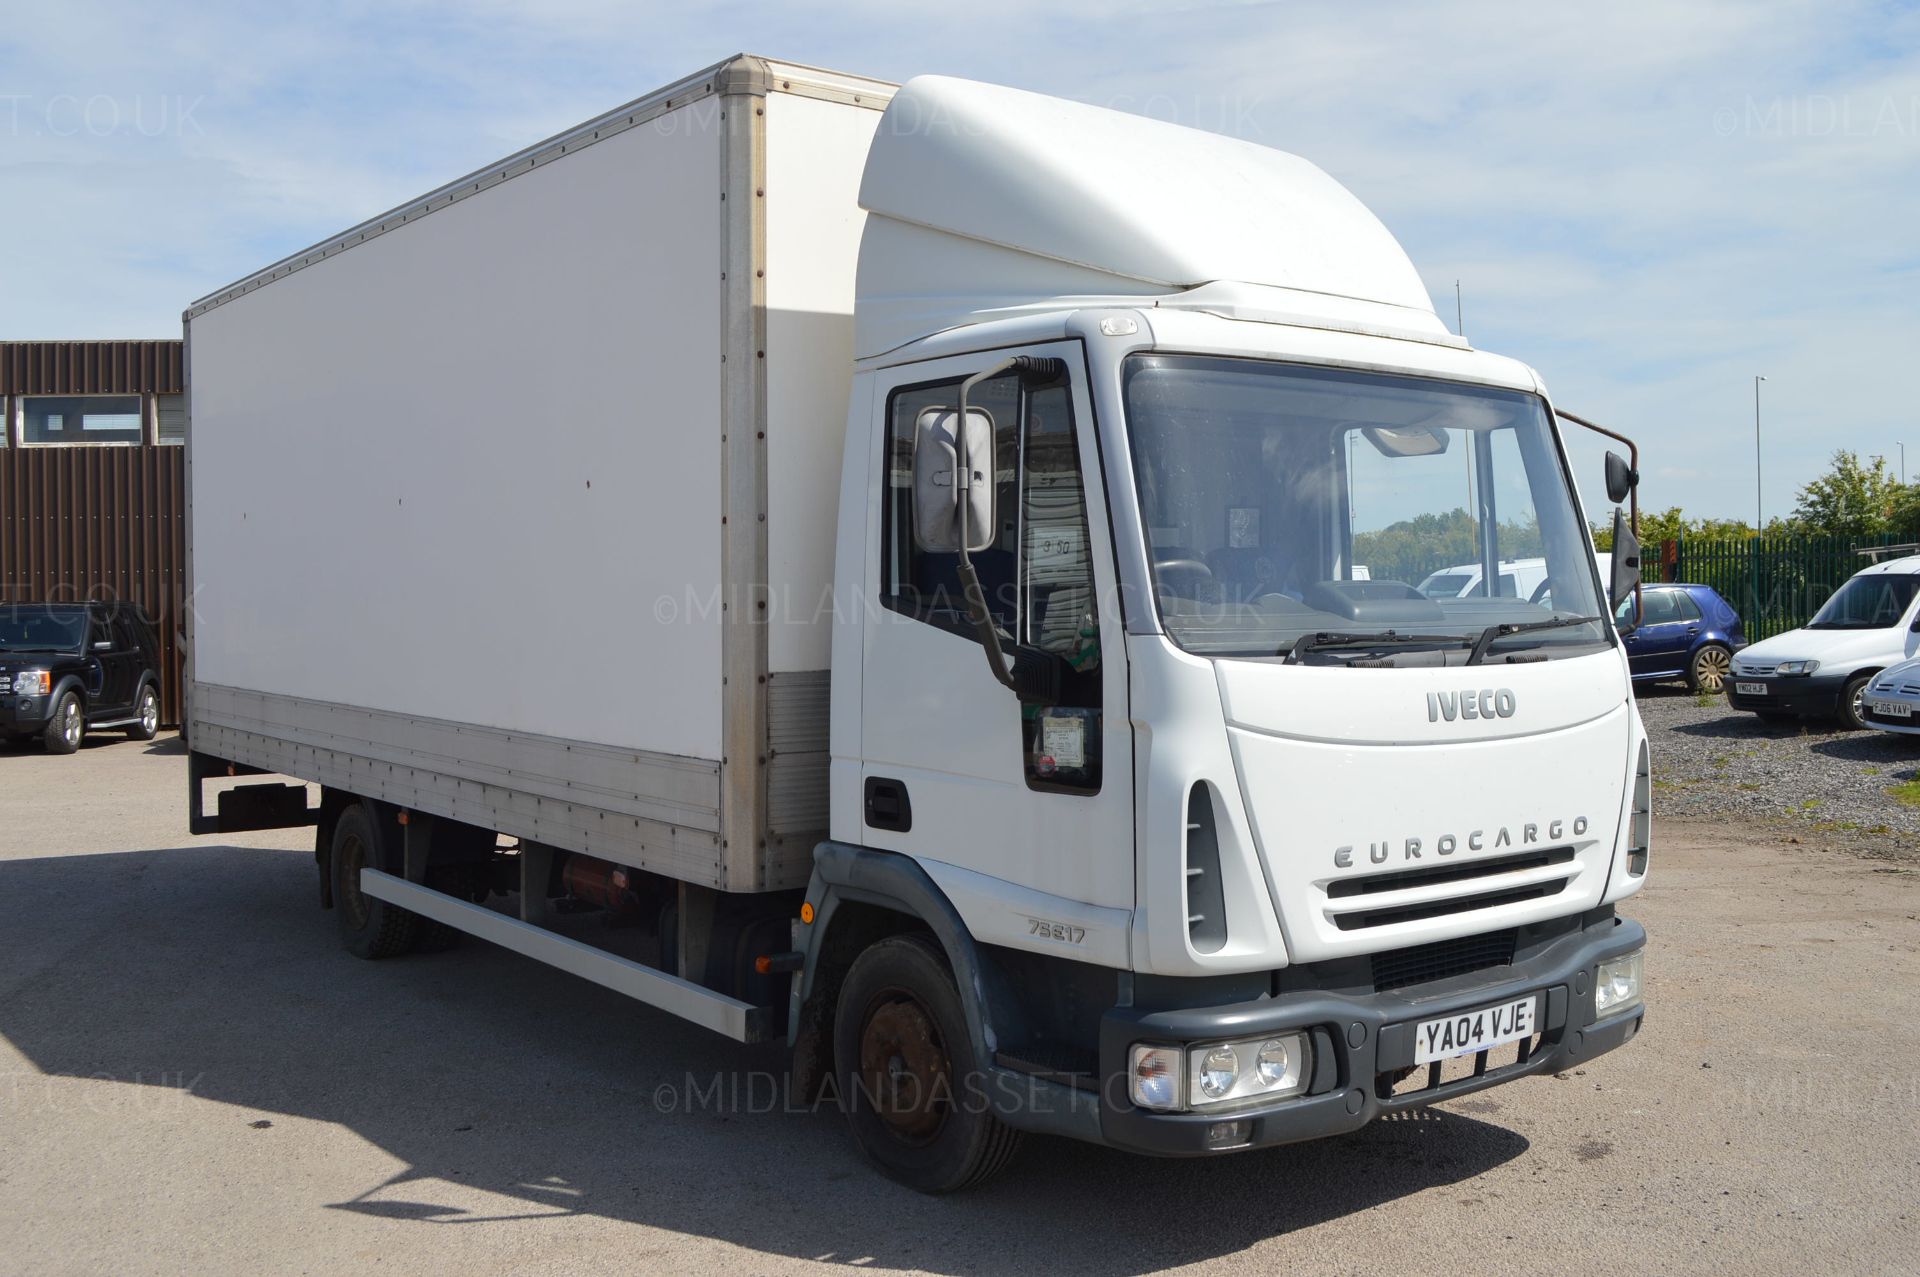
pixel 1480 883
pixel 1370 884
pixel 1398 968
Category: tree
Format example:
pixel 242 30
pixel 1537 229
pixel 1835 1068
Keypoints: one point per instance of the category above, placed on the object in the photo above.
pixel 1850 500
pixel 1904 520
pixel 1671 524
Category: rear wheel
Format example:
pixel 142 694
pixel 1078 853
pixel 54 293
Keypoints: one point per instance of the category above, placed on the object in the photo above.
pixel 913 1089
pixel 1707 672
pixel 369 928
pixel 1852 710
pixel 67 726
pixel 146 724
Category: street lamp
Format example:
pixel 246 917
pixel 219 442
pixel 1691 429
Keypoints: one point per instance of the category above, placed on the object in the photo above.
pixel 1759 523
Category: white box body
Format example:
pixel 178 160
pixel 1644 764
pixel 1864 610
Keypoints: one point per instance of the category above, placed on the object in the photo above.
pixel 517 505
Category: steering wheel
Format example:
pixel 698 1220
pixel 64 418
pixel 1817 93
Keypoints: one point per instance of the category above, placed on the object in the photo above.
pixel 1173 573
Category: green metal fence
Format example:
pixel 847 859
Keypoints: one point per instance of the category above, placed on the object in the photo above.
pixel 1775 583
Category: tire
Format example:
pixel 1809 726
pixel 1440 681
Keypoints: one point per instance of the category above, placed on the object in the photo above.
pixel 912 1087
pixel 369 928
pixel 1707 671
pixel 147 707
pixel 434 937
pixel 66 726
pixel 1852 698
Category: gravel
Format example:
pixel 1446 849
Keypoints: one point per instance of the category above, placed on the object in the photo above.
pixel 1807 778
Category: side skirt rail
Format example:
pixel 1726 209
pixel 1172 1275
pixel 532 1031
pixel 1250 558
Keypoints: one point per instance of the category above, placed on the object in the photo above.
pixel 741 1021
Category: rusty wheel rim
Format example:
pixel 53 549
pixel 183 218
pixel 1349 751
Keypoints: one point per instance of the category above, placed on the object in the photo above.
pixel 904 1068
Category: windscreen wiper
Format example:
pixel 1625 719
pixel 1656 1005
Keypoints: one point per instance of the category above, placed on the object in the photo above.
pixel 1386 638
pixel 1502 630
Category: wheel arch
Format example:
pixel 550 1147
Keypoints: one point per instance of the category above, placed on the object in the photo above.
pixel 861 896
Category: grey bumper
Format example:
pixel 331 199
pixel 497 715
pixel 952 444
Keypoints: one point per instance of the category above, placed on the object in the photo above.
pixel 1358 1038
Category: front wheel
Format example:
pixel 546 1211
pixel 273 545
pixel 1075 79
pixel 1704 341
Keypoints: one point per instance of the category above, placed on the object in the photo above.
pixel 146 723
pixel 67 726
pixel 1707 672
pixel 1852 710
pixel 914 1092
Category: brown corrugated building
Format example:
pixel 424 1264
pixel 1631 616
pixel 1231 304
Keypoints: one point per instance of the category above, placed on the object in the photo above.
pixel 93 480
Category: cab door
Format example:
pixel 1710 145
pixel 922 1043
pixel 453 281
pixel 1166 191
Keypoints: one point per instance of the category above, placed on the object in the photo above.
pixel 1022 811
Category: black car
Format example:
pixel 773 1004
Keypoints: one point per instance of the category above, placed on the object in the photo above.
pixel 70 668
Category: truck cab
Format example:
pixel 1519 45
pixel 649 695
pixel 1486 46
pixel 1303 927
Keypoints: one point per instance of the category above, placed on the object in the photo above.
pixel 1296 835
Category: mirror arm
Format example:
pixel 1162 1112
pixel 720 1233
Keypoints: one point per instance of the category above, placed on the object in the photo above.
pixel 1034 371
pixel 1633 490
pixel 969 579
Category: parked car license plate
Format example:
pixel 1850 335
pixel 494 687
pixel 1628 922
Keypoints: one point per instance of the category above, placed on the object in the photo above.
pixel 1750 689
pixel 1893 709
pixel 1472 1031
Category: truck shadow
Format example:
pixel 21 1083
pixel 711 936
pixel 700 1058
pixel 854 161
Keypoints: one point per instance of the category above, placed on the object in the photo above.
pixel 511 1090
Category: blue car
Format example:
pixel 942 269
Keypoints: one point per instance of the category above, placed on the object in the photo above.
pixel 1686 632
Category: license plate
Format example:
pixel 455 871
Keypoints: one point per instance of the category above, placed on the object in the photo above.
pixel 1893 709
pixel 1472 1031
pixel 1750 689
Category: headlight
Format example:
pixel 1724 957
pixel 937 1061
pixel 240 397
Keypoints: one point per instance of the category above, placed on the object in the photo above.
pixel 1799 667
pixel 32 682
pixel 1618 988
pixel 1171 1078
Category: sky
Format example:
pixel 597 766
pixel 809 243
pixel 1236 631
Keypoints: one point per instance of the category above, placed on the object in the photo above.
pixel 1649 203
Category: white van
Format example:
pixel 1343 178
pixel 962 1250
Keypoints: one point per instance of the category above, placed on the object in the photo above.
pixel 1822 668
pixel 1519 578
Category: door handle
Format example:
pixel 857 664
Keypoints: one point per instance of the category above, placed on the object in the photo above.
pixel 887 805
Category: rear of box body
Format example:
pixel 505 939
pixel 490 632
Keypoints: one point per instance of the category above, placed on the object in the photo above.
pixel 517 506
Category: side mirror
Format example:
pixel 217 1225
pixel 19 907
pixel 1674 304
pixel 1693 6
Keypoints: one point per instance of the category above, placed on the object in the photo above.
pixel 939 489
pixel 1624 572
pixel 1621 480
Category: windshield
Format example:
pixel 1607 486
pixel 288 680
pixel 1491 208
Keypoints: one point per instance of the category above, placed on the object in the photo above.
pixel 1360 512
pixel 29 628
pixel 1867 603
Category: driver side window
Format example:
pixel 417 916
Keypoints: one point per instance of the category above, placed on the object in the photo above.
pixel 1037 573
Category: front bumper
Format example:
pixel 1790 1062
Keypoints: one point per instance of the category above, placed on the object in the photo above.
pixel 1808 695
pixel 24 715
pixel 1358 1038
pixel 1908 726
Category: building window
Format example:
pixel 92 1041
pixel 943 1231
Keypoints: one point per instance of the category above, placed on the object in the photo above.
pixel 82 419
pixel 6 422
pixel 170 418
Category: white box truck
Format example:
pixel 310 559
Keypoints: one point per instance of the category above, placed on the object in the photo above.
pixel 921 573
